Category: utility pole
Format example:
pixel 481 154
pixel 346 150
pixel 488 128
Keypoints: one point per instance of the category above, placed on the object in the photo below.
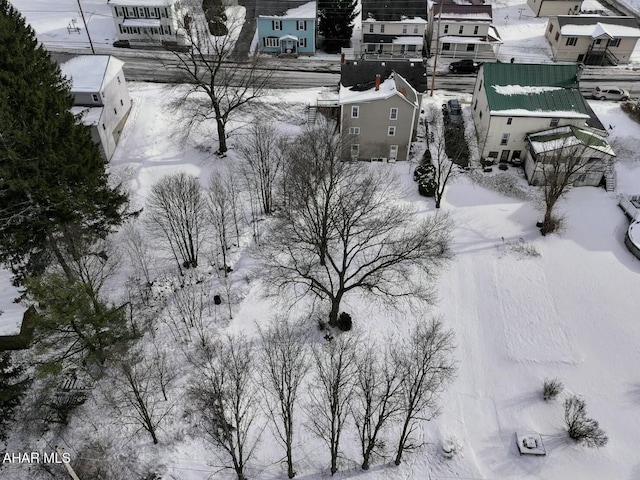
pixel 435 58
pixel 86 28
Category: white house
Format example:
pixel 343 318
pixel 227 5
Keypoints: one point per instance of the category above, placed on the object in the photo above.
pixel 512 100
pixel 147 21
pixel 101 98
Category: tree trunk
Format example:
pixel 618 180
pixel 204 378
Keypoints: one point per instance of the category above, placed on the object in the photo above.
pixel 335 310
pixel 222 137
pixel 402 441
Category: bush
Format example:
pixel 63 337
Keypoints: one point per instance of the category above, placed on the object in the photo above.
pixel 552 388
pixel 344 322
pixel 581 428
pixel 426 180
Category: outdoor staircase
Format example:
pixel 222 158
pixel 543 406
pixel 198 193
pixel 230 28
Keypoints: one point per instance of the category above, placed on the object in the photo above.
pixel 312 114
pixel 610 179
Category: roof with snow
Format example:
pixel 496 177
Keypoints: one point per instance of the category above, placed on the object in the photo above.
pixel 568 137
pixel 141 3
pixel 418 20
pixel 456 11
pixel 388 88
pixel 306 11
pixel 518 89
pixel 595 26
pixel 354 72
pixel 89 73
pixel 393 10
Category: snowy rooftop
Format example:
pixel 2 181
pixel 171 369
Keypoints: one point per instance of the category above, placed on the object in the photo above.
pixel 521 89
pixel 408 40
pixel 523 112
pixel 600 29
pixel 308 10
pixel 141 3
pixel 387 89
pixel 404 20
pixel 567 137
pixel 88 73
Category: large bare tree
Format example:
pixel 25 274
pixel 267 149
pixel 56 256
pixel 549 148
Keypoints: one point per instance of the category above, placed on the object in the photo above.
pixel 566 156
pixel 426 365
pixel 220 85
pixel 332 391
pixel 177 211
pixel 285 363
pixel 345 227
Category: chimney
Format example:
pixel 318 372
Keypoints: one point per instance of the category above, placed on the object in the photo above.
pixel 377 82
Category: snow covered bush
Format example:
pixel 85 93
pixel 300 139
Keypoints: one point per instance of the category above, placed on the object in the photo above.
pixel 552 388
pixel 581 428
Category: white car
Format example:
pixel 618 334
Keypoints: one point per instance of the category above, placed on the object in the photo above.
pixel 610 93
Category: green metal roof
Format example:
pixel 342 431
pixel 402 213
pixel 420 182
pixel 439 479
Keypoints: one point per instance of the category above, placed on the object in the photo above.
pixel 565 98
pixel 559 138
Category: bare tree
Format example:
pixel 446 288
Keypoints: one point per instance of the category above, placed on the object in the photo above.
pixel 444 164
pixel 332 391
pixel 136 393
pixel 344 227
pixel 138 251
pixel 566 156
pixel 177 211
pixel 225 401
pixel 426 365
pixel 220 208
pixel 375 401
pixel 188 319
pixel 581 428
pixel 262 151
pixel 219 85
pixel 285 363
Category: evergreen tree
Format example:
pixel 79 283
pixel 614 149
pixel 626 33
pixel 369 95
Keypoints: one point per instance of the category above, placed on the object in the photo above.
pixel 12 385
pixel 335 23
pixel 52 176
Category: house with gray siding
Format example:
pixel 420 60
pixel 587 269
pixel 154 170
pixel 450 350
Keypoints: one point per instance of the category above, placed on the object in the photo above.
pixel 379 119
pixel 553 8
pixel 100 97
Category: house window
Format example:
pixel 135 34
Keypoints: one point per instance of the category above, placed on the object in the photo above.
pixel 580 57
pixel 391 131
pixel 382 28
pixel 411 48
pixel 550 27
pixel 598 41
pixel 571 41
pixel 302 42
pixel 371 28
pixel 446 29
pixel 103 127
pixel 475 30
pixel 276 25
pixel 95 98
pixel 554 122
pixel 119 81
pixel 121 103
pixel 393 152
pixel 505 139
pixel 165 13
pixel 371 47
pixel 460 30
pixel 480 114
pixel 415 29
pixel 471 47
pixel 515 154
pixel 355 111
pixel 115 110
pixel 557 36
pixel 355 150
pixel 446 46
pixel 302 25
pixel 404 28
pixel 509 121
pixel 271 42
pixel 475 105
pixel 393 113
pixel 354 130
pixel 493 154
pixel 614 42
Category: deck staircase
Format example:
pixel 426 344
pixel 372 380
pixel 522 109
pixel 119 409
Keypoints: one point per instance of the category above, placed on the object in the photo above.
pixel 312 114
pixel 610 179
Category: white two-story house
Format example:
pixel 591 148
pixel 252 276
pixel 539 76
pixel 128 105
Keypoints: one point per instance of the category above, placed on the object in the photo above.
pixel 148 21
pixel 101 99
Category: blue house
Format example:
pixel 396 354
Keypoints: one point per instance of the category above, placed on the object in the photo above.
pixel 292 32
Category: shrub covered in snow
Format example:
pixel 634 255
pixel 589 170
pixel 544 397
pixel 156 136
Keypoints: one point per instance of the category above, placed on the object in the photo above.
pixel 552 388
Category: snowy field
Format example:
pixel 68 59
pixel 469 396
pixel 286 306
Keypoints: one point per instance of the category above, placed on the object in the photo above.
pixel 566 306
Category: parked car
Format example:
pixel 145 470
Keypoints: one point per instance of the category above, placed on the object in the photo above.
pixel 464 66
pixel 610 93
pixel 455 111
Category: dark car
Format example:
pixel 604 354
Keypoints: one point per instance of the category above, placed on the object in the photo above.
pixel 455 111
pixel 464 66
